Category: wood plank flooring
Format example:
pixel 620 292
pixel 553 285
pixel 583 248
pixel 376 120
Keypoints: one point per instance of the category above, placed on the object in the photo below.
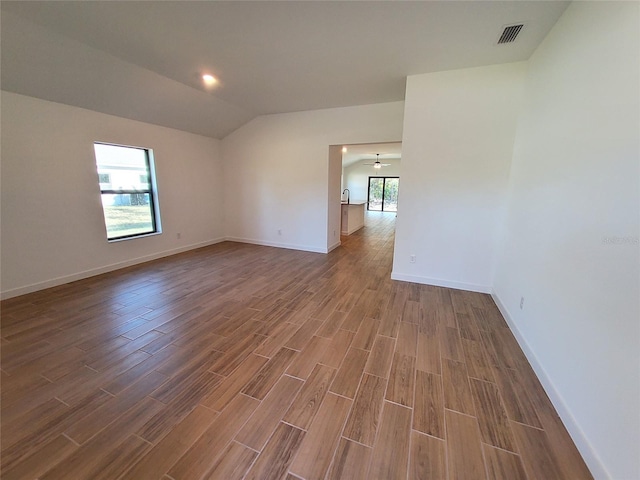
pixel 242 361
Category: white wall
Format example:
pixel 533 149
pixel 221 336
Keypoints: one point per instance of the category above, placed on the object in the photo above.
pixel 277 169
pixel 52 223
pixel 459 128
pixel 356 177
pixel 334 218
pixel 571 235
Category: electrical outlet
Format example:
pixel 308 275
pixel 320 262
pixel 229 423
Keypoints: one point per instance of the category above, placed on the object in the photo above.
pixel 334 234
pixel 178 235
pixel 412 258
pixel 521 303
pixel 279 232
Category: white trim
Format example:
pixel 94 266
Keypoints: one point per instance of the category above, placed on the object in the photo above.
pixel 289 246
pixel 587 451
pixel 34 287
pixel 334 246
pixel 349 232
pixel 133 237
pixel 471 287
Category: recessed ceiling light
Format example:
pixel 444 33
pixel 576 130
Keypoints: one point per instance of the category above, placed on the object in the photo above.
pixel 344 149
pixel 209 79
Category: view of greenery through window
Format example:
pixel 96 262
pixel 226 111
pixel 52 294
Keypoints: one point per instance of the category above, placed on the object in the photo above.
pixel 124 175
pixel 383 194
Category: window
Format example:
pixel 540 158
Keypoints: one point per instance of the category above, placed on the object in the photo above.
pixel 383 194
pixel 126 179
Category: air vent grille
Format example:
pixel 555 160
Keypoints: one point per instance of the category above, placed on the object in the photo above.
pixel 510 33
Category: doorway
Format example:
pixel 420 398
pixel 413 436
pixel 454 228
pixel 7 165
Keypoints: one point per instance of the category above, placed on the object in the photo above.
pixel 350 166
pixel 383 194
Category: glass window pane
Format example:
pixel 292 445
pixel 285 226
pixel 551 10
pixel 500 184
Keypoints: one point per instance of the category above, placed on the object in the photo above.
pixel 391 195
pixel 375 193
pixel 125 167
pixel 122 173
pixel 127 214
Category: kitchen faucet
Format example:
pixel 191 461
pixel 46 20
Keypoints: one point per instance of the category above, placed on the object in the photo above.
pixel 346 190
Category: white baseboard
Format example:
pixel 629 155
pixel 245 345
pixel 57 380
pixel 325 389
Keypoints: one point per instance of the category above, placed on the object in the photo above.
pixel 334 246
pixel 437 282
pixel 289 246
pixel 34 287
pixel 585 448
pixel 353 230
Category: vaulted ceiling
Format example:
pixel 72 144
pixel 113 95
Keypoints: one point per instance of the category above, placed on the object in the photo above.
pixel 371 152
pixel 144 60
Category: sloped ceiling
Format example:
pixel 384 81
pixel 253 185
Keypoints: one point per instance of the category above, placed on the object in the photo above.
pixel 144 60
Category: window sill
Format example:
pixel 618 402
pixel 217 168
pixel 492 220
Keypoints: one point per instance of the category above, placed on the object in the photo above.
pixel 143 235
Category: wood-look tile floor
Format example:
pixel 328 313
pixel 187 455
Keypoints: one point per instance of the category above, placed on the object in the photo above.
pixel 241 361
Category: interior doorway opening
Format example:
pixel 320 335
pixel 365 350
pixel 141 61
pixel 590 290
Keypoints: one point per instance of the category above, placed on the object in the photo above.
pixel 350 166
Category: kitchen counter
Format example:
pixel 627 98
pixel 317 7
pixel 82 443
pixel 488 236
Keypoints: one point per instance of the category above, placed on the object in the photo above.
pixel 352 217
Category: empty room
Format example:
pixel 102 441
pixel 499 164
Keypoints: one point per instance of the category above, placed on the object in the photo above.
pixel 320 240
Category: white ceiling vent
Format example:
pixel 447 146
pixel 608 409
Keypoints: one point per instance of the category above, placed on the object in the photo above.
pixel 510 33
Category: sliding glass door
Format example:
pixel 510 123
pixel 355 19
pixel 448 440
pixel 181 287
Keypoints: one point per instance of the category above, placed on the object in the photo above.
pixel 383 194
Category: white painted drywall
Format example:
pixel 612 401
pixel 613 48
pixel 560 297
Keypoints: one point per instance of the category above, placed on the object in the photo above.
pixel 356 177
pixel 276 172
pixel 457 144
pixel 571 235
pixel 333 193
pixel 52 223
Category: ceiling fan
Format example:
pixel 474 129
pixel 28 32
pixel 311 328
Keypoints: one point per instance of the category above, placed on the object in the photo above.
pixel 377 163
